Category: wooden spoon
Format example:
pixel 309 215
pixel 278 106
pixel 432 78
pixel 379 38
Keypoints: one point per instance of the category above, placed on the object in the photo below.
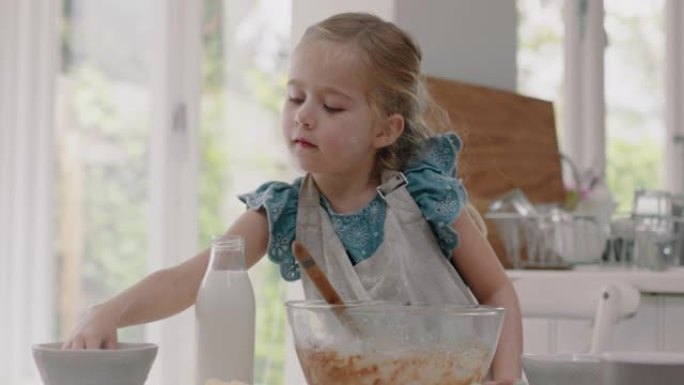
pixel 315 273
pixel 325 288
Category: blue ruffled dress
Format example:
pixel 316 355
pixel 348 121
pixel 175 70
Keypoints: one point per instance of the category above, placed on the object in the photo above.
pixel 432 183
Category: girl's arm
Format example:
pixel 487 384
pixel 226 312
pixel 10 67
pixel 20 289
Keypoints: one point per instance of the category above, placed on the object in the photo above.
pixel 480 268
pixel 164 292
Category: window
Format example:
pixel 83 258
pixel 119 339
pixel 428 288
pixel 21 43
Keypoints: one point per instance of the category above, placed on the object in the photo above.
pixel 635 97
pixel 113 149
pixel 245 52
pixel 540 51
pixel 102 136
pixel 633 76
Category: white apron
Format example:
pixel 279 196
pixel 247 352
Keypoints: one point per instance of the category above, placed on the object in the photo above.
pixel 408 267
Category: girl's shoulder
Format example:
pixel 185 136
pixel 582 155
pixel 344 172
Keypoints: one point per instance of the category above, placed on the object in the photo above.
pixel 272 193
pixel 434 185
pixel 438 153
pixel 279 200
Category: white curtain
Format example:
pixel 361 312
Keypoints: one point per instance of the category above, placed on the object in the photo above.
pixel 28 67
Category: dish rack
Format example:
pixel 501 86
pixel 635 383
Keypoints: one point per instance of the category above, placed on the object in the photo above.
pixel 550 240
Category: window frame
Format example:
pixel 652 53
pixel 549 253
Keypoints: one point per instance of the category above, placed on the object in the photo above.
pixel 674 99
pixel 584 45
pixel 174 172
pixel 584 93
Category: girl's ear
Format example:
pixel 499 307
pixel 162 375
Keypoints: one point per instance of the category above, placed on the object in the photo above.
pixel 389 131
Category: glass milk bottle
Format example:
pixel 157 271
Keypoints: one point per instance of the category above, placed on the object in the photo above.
pixel 225 316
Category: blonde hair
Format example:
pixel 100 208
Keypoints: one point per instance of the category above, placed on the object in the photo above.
pixel 392 61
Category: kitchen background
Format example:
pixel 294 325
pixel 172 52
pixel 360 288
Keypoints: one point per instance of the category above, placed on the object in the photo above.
pixel 128 127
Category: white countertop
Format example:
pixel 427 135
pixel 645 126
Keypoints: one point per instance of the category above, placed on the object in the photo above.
pixel 670 281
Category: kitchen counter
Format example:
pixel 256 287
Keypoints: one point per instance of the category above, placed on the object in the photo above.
pixel 559 307
pixel 669 281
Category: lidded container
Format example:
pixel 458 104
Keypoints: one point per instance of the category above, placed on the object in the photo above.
pixel 225 316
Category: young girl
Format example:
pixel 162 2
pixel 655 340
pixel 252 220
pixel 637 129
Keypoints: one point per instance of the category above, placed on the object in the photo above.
pixel 380 207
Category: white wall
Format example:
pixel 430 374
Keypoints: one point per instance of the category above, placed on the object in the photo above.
pixel 456 43
pixel 308 12
pixel 473 41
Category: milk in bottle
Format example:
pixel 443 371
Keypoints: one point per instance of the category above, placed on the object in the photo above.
pixel 225 316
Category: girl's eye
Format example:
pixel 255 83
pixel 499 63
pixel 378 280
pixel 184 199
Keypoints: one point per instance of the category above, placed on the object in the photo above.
pixel 295 100
pixel 332 110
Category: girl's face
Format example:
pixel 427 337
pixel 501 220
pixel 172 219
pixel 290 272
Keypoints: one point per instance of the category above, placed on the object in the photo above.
pixel 327 119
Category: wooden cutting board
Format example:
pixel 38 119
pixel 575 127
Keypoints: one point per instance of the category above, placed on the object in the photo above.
pixel 509 141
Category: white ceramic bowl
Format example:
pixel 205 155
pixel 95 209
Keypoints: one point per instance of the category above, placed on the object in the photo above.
pixel 129 364
pixel 637 368
pixel 562 369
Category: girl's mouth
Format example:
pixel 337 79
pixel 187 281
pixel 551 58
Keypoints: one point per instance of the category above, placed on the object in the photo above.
pixel 304 143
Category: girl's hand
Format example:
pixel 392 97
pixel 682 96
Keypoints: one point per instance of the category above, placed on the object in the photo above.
pixel 96 330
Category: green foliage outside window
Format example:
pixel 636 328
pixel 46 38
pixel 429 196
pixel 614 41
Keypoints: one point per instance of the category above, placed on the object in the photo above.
pixel 634 89
pixel 219 131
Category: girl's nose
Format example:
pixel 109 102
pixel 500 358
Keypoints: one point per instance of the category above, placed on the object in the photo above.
pixel 304 117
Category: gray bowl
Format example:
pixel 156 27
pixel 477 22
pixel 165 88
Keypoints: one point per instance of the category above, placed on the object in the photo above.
pixel 129 364
pixel 637 368
pixel 562 369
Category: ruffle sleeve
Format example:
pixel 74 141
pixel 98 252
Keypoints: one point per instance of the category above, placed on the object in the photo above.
pixel 438 192
pixel 280 202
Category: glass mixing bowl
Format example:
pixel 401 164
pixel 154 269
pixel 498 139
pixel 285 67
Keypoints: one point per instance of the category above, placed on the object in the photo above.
pixel 379 343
